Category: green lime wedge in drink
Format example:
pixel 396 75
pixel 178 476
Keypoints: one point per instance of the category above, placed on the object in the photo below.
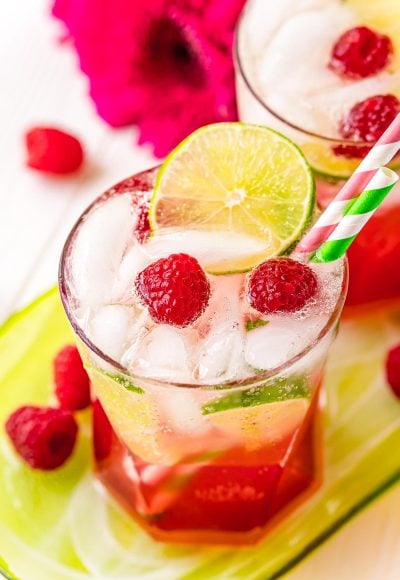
pixel 240 179
pixel 282 390
pixel 268 412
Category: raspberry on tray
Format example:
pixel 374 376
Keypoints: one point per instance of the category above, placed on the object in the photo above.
pixel 44 437
pixel 72 384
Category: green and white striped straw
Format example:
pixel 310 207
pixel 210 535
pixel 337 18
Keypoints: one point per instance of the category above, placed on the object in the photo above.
pixel 356 215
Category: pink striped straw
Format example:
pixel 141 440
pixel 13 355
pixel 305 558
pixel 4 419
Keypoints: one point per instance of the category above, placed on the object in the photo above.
pixel 380 155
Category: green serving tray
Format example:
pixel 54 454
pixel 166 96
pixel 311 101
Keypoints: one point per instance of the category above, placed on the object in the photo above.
pixel 62 525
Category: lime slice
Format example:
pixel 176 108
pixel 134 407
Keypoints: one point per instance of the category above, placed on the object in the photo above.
pixel 267 414
pixel 131 412
pixel 325 163
pixel 256 427
pixel 293 388
pixel 236 178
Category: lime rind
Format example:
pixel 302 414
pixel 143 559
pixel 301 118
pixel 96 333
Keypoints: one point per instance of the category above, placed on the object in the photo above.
pixel 263 210
pixel 117 378
pixel 282 390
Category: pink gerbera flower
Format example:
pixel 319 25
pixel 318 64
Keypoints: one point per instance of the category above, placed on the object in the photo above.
pixel 164 65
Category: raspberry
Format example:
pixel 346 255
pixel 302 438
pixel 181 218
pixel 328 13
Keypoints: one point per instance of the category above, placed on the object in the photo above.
pixel 103 434
pixel 281 285
pixel 365 122
pixel 142 228
pixel 175 289
pixel 53 151
pixel 72 384
pixel 393 369
pixel 43 437
pixel 360 52
pixel 368 119
pixel 351 151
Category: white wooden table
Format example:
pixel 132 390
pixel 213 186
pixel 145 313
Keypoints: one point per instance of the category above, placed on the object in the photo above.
pixel 39 83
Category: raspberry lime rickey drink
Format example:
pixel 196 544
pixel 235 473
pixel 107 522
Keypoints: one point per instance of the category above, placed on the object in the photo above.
pixel 326 73
pixel 205 340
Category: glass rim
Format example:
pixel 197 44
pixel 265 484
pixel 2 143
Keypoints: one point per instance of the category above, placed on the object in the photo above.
pixel 240 68
pixel 220 387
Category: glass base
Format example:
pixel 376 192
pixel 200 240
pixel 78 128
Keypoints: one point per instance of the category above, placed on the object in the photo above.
pixel 234 499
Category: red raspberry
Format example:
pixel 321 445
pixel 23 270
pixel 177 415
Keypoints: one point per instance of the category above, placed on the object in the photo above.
pixel 175 289
pixel 103 434
pixel 72 384
pixel 281 285
pixel 368 119
pixel 393 369
pixel 351 151
pixel 360 52
pixel 142 228
pixel 53 151
pixel 43 437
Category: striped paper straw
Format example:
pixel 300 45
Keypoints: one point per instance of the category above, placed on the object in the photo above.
pixel 357 216
pixel 381 154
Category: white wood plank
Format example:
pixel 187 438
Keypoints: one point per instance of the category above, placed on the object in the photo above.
pixel 42 85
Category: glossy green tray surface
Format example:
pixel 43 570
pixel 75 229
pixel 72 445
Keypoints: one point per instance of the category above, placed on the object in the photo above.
pixel 62 525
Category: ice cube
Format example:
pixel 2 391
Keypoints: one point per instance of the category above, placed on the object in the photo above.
pixel 214 358
pixel 282 338
pixel 98 250
pixel 132 263
pixel 183 411
pixel 165 353
pixel 220 352
pixel 109 329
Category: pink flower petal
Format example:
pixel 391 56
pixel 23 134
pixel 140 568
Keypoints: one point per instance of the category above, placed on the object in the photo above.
pixel 163 65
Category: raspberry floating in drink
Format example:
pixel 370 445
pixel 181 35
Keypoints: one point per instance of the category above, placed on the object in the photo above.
pixel 366 122
pixel 360 52
pixel 281 285
pixel 142 228
pixel 175 289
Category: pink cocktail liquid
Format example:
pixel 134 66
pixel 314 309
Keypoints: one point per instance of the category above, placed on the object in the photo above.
pixel 231 499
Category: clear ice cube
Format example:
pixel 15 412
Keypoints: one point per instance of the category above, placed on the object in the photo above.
pixel 109 328
pixel 98 250
pixel 132 263
pixel 282 338
pixel 165 353
pixel 220 352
